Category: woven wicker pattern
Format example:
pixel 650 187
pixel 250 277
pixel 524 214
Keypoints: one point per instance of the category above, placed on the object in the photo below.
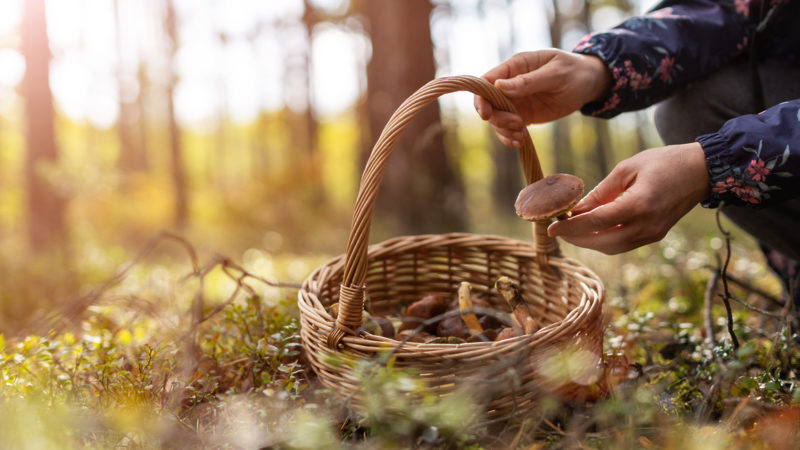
pixel 566 296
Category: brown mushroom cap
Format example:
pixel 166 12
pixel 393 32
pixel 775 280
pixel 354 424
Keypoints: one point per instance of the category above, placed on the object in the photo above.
pixel 549 197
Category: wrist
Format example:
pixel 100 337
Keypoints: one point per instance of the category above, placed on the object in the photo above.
pixel 694 161
pixel 599 77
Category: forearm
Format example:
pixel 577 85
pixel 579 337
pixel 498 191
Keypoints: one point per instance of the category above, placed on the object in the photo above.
pixel 652 56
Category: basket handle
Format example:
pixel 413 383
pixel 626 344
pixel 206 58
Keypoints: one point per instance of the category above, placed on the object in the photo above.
pixel 351 293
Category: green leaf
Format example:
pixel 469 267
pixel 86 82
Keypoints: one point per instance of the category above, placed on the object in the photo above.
pixel 747 382
pixel 785 156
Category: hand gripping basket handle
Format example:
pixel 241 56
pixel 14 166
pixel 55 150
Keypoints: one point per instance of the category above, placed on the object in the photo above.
pixel 351 293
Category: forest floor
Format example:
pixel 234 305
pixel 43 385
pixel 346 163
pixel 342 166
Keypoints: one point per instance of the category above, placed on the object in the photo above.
pixel 180 350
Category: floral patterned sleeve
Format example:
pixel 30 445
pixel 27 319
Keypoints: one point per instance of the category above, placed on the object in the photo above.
pixel 752 159
pixel 654 55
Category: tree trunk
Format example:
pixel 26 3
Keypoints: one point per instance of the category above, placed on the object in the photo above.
pixel 311 158
pixel 141 102
pixel 176 154
pixel 421 191
pixel 562 150
pixel 132 156
pixel 599 158
pixel 45 205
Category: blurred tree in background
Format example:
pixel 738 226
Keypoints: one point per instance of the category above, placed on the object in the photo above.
pixel 421 191
pixel 45 204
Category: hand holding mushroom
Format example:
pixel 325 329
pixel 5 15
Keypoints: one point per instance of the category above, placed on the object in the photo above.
pixel 639 201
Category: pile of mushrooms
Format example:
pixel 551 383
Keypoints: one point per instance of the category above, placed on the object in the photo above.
pixel 468 317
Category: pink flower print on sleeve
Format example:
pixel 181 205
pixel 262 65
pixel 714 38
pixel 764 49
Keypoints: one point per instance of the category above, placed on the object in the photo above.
pixel 665 69
pixel 748 194
pixel 727 185
pixel 584 43
pixel 757 170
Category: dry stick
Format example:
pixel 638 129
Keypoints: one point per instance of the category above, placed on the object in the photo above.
pixel 724 274
pixel 706 408
pixel 755 308
pixel 83 302
pixel 788 309
pixel 735 414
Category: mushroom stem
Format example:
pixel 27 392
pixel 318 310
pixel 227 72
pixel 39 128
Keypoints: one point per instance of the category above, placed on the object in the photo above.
pixel 520 312
pixel 465 304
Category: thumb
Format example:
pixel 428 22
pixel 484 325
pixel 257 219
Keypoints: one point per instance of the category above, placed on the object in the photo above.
pixel 606 191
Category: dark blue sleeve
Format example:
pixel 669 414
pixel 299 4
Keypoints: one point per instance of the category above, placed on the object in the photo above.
pixel 755 159
pixel 652 56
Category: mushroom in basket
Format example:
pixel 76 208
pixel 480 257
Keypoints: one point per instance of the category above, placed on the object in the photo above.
pixel 521 315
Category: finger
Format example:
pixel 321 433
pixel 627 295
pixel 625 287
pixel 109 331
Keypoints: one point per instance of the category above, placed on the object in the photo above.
pixel 607 190
pixel 511 135
pixel 511 67
pixel 484 108
pixel 520 63
pixel 601 218
pixel 508 141
pixel 507 120
pixel 618 239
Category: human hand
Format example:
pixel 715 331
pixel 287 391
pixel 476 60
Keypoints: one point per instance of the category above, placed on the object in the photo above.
pixel 639 201
pixel 543 85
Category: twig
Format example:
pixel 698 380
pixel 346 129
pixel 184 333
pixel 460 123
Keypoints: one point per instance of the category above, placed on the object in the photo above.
pixel 788 310
pixel 515 442
pixel 735 414
pixel 724 274
pixel 712 396
pixel 554 427
pixel 755 308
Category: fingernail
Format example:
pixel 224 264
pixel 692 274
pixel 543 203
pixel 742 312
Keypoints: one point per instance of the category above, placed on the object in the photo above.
pixel 503 83
pixel 515 144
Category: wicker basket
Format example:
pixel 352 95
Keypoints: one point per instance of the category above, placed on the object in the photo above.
pixel 387 276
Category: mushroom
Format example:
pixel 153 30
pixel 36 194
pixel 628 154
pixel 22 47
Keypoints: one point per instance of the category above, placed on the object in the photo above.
pixel 519 309
pixel 422 310
pixel 386 325
pixel 488 335
pixel 551 197
pixel 465 305
pixel 507 333
pixel 370 325
pixel 414 336
pixel 452 326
